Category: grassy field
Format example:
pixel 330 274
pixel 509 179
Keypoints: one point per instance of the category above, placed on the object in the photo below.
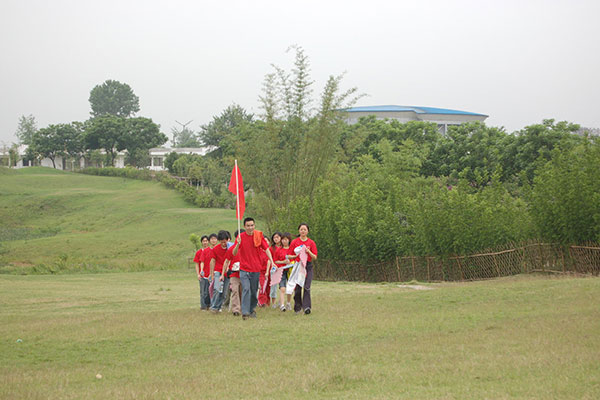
pixel 53 221
pixel 523 337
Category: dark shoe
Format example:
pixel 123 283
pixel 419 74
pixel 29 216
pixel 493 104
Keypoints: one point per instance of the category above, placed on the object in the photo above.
pixel 253 315
pixel 307 311
pixel 244 317
pixel 236 314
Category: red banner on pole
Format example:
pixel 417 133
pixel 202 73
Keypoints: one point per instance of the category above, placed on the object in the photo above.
pixel 236 186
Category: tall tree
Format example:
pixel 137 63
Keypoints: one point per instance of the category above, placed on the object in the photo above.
pixel 293 130
pixel 223 131
pixel 107 132
pixel 141 134
pixel 26 129
pixel 113 98
pixel 57 140
pixel 184 137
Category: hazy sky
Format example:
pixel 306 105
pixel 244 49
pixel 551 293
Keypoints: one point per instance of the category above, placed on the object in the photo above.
pixel 516 61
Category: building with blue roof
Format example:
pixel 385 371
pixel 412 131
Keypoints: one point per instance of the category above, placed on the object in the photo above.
pixel 441 116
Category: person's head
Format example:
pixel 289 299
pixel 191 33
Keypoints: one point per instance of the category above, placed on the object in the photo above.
pixel 276 239
pixel 249 225
pixel 237 233
pixel 222 237
pixel 303 230
pixel 212 238
pixel 204 241
pixel 228 235
pixel 286 239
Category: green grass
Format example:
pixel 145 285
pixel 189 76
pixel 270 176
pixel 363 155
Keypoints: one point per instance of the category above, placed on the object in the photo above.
pixel 523 337
pixel 55 221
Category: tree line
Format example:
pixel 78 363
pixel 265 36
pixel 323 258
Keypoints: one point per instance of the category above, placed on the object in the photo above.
pixel 112 128
pixel 380 188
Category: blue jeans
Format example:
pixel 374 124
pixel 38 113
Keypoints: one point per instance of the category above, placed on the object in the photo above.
pixel 204 294
pixel 249 281
pixel 218 296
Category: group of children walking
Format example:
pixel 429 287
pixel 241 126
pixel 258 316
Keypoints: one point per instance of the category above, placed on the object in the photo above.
pixel 254 271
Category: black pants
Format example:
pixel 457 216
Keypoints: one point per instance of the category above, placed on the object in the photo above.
pixel 302 301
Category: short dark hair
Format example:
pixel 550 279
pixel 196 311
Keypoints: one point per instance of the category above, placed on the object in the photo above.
pixel 305 224
pixel 203 237
pixel 223 235
pixel 288 236
pixel 211 236
pixel 228 235
pixel 248 219
pixel 237 232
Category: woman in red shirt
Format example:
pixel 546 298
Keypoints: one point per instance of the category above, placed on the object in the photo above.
pixel 281 261
pixel 302 300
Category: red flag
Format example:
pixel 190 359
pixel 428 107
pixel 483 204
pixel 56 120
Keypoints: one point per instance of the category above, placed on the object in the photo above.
pixel 237 188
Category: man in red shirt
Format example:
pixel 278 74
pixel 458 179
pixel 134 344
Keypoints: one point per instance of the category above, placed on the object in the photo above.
pixel 250 246
pixel 219 278
pixel 202 276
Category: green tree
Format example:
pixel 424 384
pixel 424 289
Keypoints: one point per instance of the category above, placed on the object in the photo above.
pixel 107 132
pixel 184 137
pixel 223 132
pixel 26 129
pixel 58 140
pixel 140 135
pixel 113 98
pixel 565 197
pixel 292 133
pixel 531 147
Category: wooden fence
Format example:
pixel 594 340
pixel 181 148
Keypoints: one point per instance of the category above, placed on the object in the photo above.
pixel 525 258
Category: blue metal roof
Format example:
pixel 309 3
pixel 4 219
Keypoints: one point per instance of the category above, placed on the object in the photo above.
pixel 418 110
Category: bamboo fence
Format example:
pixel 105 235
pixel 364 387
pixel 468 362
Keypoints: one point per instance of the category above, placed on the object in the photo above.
pixel 529 257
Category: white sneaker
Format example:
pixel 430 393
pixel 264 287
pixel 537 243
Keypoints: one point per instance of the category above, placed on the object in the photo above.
pixel 288 306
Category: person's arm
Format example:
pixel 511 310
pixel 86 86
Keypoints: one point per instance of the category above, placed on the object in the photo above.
pixel 268 251
pixel 212 268
pixel 198 269
pixel 312 255
pixel 236 247
pixel 226 266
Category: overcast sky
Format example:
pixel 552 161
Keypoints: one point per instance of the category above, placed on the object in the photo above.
pixel 517 61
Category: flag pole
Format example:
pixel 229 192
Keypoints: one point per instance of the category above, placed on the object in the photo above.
pixel 237 197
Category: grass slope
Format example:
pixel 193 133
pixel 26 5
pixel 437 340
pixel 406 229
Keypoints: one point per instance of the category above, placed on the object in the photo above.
pixel 56 221
pixel 523 337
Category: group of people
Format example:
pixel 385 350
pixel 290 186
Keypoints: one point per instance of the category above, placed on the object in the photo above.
pixel 253 271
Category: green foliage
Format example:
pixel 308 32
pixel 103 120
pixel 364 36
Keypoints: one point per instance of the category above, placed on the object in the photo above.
pixel 532 146
pixel 224 131
pixel 565 197
pixel 26 129
pixel 57 141
pixel 195 239
pixel 107 132
pixel 113 98
pixel 184 137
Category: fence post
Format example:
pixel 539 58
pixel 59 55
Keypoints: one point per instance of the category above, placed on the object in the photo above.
pixel 398 269
pixel 428 274
pixel 496 264
pixel 523 263
pixel 541 256
pixel 562 255
pixel 412 259
pixel 462 276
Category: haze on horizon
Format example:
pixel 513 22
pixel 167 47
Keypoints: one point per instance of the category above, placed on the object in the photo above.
pixel 517 61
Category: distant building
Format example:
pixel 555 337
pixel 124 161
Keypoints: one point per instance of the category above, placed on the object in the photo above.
pixel 440 116
pixel 158 155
